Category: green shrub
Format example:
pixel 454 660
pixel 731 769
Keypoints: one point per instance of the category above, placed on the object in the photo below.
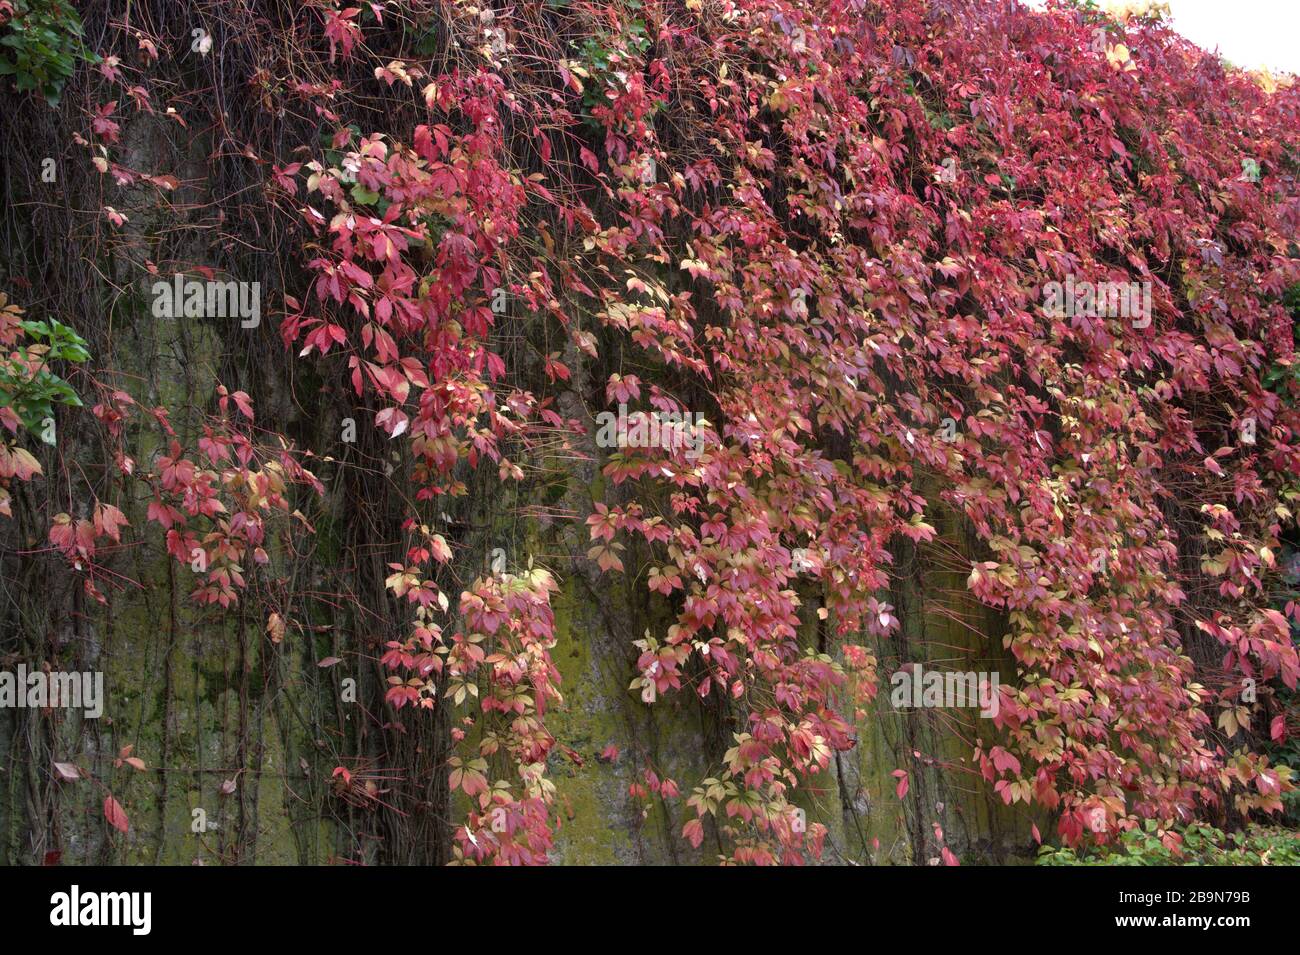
pixel 41 46
pixel 1201 845
pixel 27 383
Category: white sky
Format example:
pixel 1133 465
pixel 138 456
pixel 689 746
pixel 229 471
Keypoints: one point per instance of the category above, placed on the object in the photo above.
pixel 1249 33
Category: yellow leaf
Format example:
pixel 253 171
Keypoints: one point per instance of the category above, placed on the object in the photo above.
pixel 275 627
pixel 1118 57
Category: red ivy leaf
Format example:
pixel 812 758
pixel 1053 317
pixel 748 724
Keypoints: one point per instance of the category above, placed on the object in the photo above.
pixel 901 776
pixel 115 814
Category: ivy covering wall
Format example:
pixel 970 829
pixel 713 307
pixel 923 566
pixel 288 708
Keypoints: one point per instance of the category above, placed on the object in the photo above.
pixel 315 318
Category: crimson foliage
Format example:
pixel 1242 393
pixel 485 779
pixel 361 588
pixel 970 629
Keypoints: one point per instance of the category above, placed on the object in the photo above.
pixel 832 228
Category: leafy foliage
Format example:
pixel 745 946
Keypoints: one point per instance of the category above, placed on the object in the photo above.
pixel 28 386
pixel 830 226
pixel 41 45
pixel 1194 845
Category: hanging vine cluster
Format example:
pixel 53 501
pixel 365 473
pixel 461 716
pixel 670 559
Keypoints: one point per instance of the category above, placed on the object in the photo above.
pixel 830 233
